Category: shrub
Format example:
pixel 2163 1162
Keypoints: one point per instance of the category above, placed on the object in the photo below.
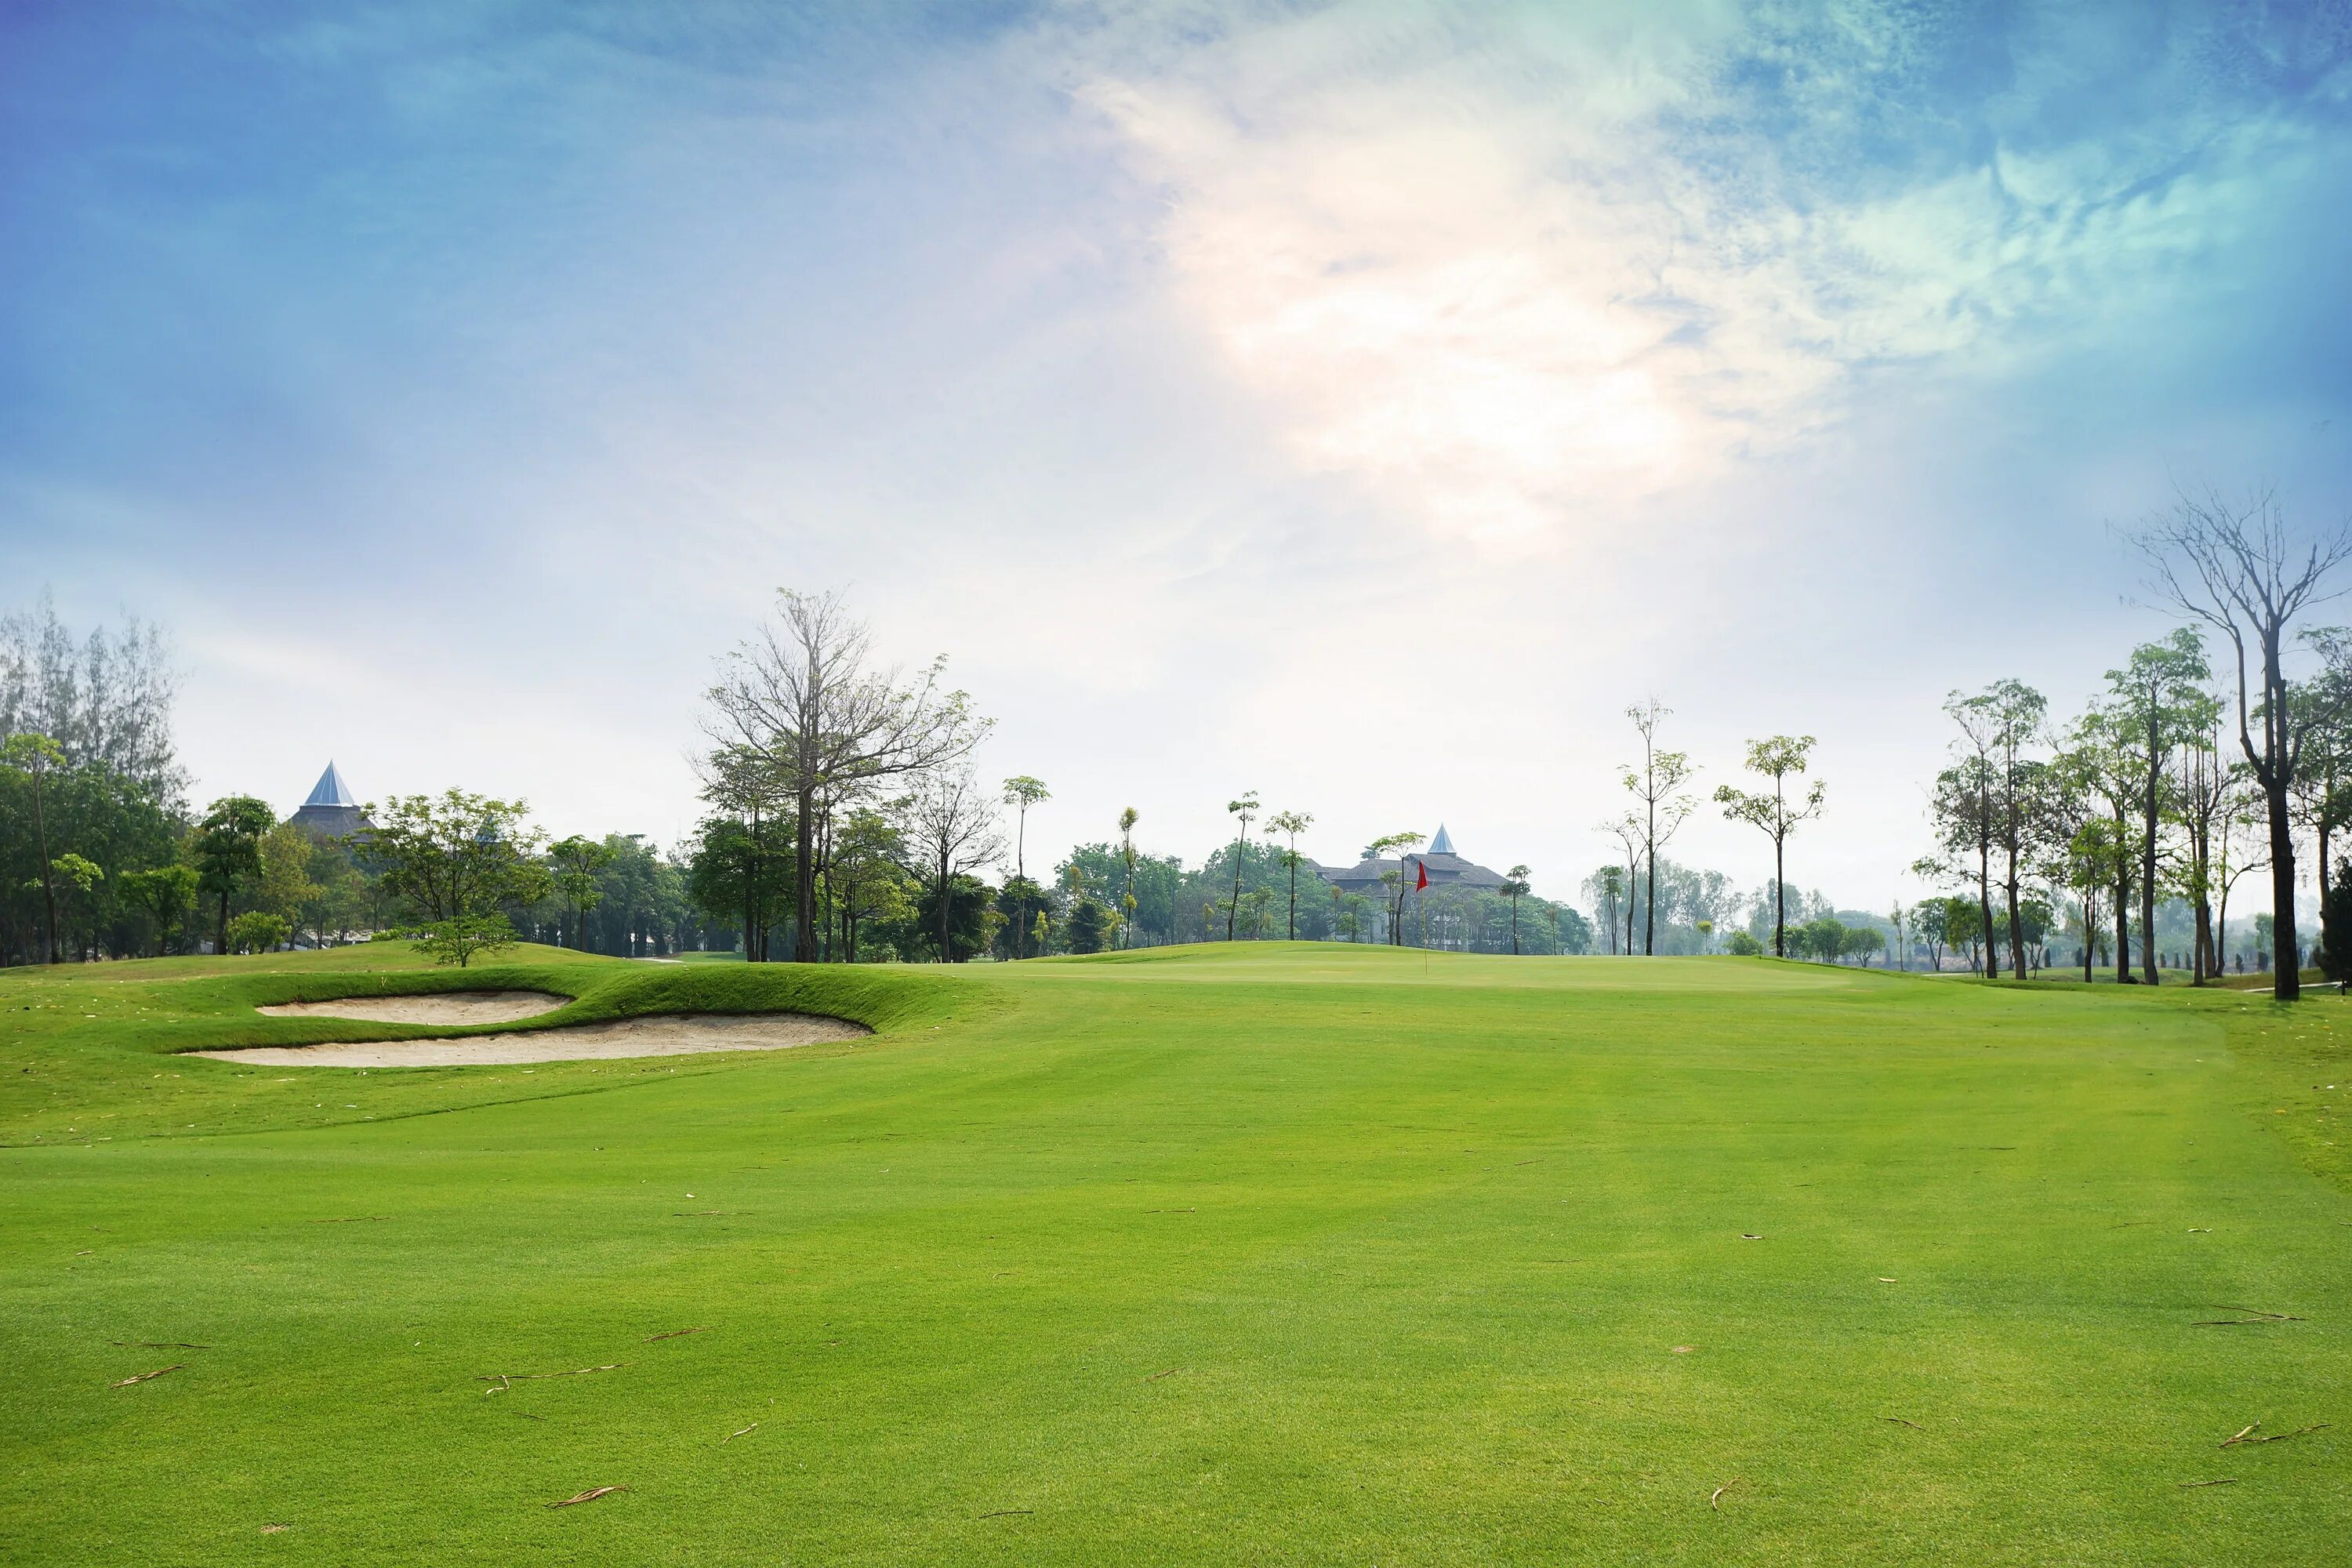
pixel 257 933
pixel 1743 945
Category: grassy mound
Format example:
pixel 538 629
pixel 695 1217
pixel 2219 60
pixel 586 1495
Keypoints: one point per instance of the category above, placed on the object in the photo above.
pixel 1260 1253
pixel 91 1052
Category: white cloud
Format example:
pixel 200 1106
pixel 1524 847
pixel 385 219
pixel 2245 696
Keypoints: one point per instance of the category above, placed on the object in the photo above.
pixel 1509 283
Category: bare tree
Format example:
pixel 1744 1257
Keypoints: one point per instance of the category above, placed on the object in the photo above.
pixel 1778 816
pixel 2237 568
pixel 801 695
pixel 1657 784
pixel 951 823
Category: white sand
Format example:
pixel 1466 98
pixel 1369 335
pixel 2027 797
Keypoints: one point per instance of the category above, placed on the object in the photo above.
pixel 443 1007
pixel 660 1035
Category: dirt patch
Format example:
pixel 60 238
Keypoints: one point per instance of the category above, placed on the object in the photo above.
pixel 443 1007
pixel 660 1035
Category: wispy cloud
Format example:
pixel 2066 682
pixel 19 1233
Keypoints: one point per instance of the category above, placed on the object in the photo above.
pixel 1511 279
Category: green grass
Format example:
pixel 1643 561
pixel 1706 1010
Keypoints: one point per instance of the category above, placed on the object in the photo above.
pixel 1264 1254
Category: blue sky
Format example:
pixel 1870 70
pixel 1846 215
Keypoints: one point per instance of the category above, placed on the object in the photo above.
pixel 1361 404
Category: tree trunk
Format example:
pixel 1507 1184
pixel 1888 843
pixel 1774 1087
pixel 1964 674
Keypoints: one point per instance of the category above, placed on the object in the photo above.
pixel 943 905
pixel 1241 849
pixel 805 877
pixel 1780 898
pixel 2286 959
pixel 1984 906
pixel 2147 892
pixel 2016 923
pixel 2122 913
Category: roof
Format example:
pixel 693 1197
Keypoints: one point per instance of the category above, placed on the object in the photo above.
pixel 1445 870
pixel 330 790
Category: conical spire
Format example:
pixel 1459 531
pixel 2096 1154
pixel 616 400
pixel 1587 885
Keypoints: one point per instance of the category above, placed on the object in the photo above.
pixel 1440 845
pixel 330 790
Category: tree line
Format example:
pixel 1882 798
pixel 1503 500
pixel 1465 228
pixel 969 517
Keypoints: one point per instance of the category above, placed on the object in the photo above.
pixel 2204 759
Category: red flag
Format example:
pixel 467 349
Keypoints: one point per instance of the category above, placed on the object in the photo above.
pixel 1424 884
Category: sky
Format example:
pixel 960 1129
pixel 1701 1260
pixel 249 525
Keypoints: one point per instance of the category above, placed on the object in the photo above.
pixel 1363 404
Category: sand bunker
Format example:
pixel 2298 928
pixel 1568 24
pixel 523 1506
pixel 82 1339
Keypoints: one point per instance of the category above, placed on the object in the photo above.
pixel 660 1035
pixel 444 1008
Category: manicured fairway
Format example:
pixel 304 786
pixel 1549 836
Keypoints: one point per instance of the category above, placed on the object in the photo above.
pixel 1264 1254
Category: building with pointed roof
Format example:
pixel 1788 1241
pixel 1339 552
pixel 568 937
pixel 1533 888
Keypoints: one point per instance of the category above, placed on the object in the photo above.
pixel 331 812
pixel 1447 867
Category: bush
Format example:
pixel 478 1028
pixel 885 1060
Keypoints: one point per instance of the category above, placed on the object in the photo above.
pixel 1743 945
pixel 257 933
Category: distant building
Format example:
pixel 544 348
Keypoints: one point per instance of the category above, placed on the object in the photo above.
pixel 331 812
pixel 1446 870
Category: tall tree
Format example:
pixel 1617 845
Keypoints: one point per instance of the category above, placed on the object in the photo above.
pixel 1606 888
pixel 1657 784
pixel 2156 704
pixel 30 757
pixel 953 824
pixel 576 860
pixel 103 699
pixel 1630 837
pixel 1290 824
pixel 1374 851
pixel 1776 758
pixel 1020 793
pixel 1515 887
pixel 802 697
pixel 1997 725
pixel 1242 810
pixel 1128 818
pixel 2323 786
pixel 227 852
pixel 2238 568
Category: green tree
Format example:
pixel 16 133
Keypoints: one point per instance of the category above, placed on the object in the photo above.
pixel 1127 900
pixel 1515 887
pixel 1657 784
pixel 1089 923
pixel 461 938
pixel 1394 881
pixel 1020 793
pixel 1776 814
pixel 284 887
pixel 1290 824
pixel 29 757
pixel 78 877
pixel 226 849
pixel 164 895
pixel 458 854
pixel 2336 929
pixel 870 882
pixel 575 862
pixel 2158 705
pixel 1743 945
pixel 1606 888
pixel 1242 810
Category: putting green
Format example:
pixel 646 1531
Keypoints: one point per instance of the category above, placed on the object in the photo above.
pixel 1260 1254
